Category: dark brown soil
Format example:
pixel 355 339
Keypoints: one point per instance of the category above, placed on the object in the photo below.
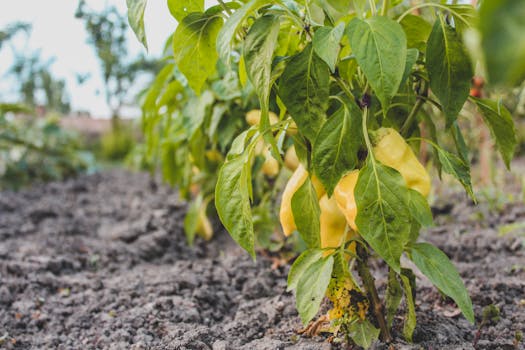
pixel 101 262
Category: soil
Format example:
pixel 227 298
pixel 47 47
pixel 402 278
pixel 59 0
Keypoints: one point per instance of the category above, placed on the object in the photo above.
pixel 101 262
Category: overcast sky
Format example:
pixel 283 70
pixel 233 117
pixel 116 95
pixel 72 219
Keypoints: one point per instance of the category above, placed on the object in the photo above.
pixel 57 33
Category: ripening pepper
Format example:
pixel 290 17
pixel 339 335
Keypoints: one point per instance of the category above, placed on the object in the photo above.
pixel 392 150
pixel 270 166
pixel 290 159
pixel 333 223
pixel 204 227
pixel 344 196
pixel 296 181
pixel 253 117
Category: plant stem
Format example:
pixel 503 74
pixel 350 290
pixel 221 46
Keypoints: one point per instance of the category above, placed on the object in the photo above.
pixel 413 113
pixel 384 10
pixel 371 291
pixel 223 5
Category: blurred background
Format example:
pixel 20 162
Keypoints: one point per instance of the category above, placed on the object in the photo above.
pixel 73 78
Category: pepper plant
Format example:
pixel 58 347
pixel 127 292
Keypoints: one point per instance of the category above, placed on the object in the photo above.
pixel 358 87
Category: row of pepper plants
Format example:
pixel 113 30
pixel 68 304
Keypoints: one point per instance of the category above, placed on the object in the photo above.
pixel 341 94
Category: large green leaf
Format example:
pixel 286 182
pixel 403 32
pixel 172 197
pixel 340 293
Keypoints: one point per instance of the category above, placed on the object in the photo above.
pixel 233 25
pixel 301 264
pixel 380 47
pixel 501 125
pixel 416 30
pixel 259 46
pixel 232 200
pixel 434 264
pixel 502 28
pixel 194 47
pixel 181 8
pixel 336 146
pixel 449 69
pixel 136 10
pixel 312 287
pixel 326 44
pixel 304 90
pixel 383 217
pixel 306 211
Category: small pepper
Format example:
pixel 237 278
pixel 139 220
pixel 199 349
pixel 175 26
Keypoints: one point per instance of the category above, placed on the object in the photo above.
pixel 392 150
pixel 290 159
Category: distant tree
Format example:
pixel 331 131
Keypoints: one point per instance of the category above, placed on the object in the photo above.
pixel 35 82
pixel 107 31
pixel 11 30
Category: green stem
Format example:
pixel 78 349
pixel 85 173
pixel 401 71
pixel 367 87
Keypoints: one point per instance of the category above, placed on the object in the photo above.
pixel 345 88
pixel 443 7
pixel 364 126
pixel 415 110
pixel 371 292
pixel 372 4
pixel 410 119
pixel 384 10
pixel 223 5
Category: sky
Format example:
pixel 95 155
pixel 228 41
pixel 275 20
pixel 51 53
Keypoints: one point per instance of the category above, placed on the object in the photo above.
pixel 57 33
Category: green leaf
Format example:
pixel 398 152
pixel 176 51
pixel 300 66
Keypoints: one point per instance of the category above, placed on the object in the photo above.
pixel 232 200
pixel 300 265
pixel 306 212
pixel 394 293
pixel 194 47
pixel 192 218
pixel 434 264
pixel 326 44
pixel 499 120
pixel 416 30
pixel 335 9
pixel 502 28
pixel 259 46
pixel 312 287
pixel 380 47
pixel 409 284
pixel 232 26
pixel 449 69
pixel 181 8
pixel 195 111
pixel 419 208
pixel 136 10
pixel 363 333
pixel 454 166
pixel 336 146
pixel 304 90
pixel 383 217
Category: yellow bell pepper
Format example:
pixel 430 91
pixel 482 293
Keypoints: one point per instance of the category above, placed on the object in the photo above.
pixel 333 224
pixel 290 159
pixel 294 183
pixel 392 150
pixel 253 117
pixel 270 166
pixel 344 196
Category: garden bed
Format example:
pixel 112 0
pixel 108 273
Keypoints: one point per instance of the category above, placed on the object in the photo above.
pixel 101 262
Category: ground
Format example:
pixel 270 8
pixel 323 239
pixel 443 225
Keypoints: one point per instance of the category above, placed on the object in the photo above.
pixel 100 262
